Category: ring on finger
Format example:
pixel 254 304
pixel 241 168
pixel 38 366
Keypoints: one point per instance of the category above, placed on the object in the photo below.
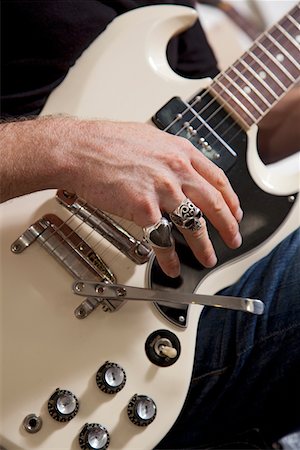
pixel 187 215
pixel 159 235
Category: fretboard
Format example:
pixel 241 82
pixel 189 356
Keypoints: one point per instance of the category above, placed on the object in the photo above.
pixel 264 73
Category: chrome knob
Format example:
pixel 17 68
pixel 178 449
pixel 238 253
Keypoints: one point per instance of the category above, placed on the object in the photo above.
pixel 94 436
pixel 110 378
pixel 141 410
pixel 63 405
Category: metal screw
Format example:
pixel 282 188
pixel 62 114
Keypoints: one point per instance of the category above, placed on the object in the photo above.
pixel 99 289
pixel 121 292
pixel 181 319
pixel 79 287
pixel 15 248
pixel 291 198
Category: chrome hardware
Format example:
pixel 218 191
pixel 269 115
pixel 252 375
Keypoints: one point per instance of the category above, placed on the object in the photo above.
pixel 134 249
pixel 94 436
pixel 110 378
pixel 141 410
pixel 63 405
pixel 110 291
pixel 73 253
pixel 32 423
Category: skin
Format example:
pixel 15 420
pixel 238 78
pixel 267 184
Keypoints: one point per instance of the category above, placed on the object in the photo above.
pixel 136 171
pixel 146 172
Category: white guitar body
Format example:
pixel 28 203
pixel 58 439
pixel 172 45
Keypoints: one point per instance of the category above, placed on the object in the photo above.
pixel 124 75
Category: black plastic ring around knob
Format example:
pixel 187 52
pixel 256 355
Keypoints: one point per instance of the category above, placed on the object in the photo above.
pixel 110 378
pixel 141 410
pixel 59 400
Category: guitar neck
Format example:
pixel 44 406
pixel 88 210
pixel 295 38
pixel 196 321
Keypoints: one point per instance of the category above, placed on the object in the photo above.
pixel 264 73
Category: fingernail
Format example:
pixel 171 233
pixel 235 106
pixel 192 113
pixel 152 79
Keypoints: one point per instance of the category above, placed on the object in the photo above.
pixel 173 273
pixel 239 215
pixel 237 241
pixel 211 261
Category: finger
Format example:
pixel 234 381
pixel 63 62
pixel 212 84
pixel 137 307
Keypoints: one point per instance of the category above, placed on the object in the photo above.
pixel 213 205
pixel 217 178
pixel 200 244
pixel 168 260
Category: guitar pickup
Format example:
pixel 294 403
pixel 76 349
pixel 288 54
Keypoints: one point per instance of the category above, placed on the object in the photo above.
pixel 139 252
pixel 74 254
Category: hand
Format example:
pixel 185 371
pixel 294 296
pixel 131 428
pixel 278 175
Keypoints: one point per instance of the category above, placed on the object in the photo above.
pixel 279 133
pixel 138 172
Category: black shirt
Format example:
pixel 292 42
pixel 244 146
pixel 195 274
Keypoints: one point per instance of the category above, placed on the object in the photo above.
pixel 42 39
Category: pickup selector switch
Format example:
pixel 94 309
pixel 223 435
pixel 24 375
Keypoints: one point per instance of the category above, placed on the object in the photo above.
pixel 94 436
pixel 141 410
pixel 63 405
pixel 110 378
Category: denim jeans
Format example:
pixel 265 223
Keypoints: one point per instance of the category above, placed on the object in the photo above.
pixel 246 375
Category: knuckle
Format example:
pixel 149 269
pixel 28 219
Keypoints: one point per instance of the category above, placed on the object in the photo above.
pixel 232 227
pixel 179 163
pixel 144 213
pixel 217 202
pixel 221 180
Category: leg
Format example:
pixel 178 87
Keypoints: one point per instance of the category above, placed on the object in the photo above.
pixel 246 369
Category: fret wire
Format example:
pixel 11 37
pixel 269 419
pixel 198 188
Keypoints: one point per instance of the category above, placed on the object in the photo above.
pixel 244 93
pixel 259 61
pixel 281 67
pixel 236 100
pixel 283 50
pixel 267 87
pixel 291 19
pixel 252 86
pixel 287 35
pixel 261 81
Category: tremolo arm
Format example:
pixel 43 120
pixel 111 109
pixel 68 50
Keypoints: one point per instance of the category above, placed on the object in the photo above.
pixel 118 291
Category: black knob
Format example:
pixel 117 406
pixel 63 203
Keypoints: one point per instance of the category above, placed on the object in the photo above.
pixel 141 410
pixel 94 436
pixel 63 405
pixel 110 378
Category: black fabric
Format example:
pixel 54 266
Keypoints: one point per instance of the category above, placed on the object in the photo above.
pixel 42 39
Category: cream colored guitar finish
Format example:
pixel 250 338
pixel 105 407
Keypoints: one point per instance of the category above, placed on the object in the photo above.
pixel 123 75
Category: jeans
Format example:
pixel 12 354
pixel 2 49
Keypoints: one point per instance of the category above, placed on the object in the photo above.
pixel 246 375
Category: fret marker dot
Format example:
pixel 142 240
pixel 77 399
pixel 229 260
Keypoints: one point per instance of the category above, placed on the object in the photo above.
pixel 298 38
pixel 247 89
pixel 262 74
pixel 280 57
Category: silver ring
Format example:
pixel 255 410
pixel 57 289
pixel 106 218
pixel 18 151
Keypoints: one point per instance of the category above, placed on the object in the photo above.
pixel 187 215
pixel 159 235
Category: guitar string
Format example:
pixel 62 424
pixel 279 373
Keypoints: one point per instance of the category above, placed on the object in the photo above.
pixel 264 35
pixel 92 229
pixel 221 108
pixel 74 214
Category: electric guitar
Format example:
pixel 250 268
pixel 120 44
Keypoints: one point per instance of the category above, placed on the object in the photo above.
pixel 94 372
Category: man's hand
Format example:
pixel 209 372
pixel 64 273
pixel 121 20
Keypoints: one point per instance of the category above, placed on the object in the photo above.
pixel 279 130
pixel 132 170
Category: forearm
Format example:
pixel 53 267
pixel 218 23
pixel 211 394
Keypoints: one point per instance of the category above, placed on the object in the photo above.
pixel 32 155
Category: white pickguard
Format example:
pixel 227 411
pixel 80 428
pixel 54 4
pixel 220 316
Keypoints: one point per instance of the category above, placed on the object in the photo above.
pixel 124 75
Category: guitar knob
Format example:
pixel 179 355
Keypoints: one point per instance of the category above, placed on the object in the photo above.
pixel 141 410
pixel 110 378
pixel 63 405
pixel 94 436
